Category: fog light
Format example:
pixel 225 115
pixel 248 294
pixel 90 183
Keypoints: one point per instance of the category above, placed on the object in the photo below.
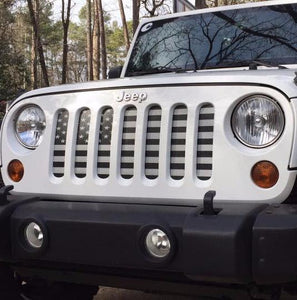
pixel 34 235
pixel 157 243
pixel 265 174
pixel 15 170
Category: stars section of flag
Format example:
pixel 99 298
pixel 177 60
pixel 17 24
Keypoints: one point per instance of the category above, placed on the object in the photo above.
pixel 128 142
pixel 82 141
pixel 60 143
pixel 104 143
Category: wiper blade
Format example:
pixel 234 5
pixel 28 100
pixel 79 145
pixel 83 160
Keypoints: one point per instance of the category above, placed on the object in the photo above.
pixel 255 63
pixel 156 70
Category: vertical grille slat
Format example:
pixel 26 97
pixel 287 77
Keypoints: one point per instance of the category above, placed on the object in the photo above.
pixel 152 142
pixel 205 142
pixel 178 142
pixel 82 140
pixel 60 143
pixel 128 142
pixel 104 143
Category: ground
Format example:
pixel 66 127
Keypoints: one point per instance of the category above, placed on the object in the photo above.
pixel 106 293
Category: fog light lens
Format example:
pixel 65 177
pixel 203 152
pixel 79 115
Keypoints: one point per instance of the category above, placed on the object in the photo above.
pixel 157 243
pixel 265 174
pixel 15 170
pixel 34 235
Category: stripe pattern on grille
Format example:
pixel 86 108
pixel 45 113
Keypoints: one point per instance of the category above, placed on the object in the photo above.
pixel 128 142
pixel 60 143
pixel 103 159
pixel 178 142
pixel 82 140
pixel 153 142
pixel 205 142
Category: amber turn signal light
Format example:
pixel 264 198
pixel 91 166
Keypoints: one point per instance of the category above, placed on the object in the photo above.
pixel 15 170
pixel 265 174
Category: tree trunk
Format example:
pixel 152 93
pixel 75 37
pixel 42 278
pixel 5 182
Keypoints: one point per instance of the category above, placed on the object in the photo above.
pixel 125 27
pixel 135 9
pixel 200 4
pixel 65 22
pixel 102 41
pixel 96 43
pixel 35 25
pixel 89 41
pixel 33 62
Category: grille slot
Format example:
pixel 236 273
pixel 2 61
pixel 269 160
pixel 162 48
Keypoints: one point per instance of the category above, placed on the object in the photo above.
pixel 82 140
pixel 178 142
pixel 128 142
pixel 205 142
pixel 60 143
pixel 153 142
pixel 103 159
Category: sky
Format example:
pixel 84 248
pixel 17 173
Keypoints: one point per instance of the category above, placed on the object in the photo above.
pixel 110 6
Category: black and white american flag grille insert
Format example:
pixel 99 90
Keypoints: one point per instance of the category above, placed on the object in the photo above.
pixel 104 141
pixel 151 143
pixel 82 141
pixel 178 142
pixel 128 142
pixel 60 143
pixel 205 142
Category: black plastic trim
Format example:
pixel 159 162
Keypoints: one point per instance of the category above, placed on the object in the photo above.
pixel 239 244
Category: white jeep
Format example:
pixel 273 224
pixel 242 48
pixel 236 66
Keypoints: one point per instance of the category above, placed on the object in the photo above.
pixel 178 176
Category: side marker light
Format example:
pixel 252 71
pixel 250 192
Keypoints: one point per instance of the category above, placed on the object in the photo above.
pixel 15 170
pixel 265 174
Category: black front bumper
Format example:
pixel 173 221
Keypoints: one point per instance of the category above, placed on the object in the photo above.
pixel 242 243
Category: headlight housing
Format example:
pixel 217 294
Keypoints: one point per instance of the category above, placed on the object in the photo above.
pixel 30 125
pixel 258 121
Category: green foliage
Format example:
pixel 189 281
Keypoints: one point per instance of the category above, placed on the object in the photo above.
pixel 116 44
pixel 13 71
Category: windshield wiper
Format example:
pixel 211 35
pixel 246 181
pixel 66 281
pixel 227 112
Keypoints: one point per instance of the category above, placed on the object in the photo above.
pixel 253 65
pixel 155 70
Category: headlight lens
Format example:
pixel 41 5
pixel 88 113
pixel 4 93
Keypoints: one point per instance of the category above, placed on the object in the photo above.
pixel 258 121
pixel 30 125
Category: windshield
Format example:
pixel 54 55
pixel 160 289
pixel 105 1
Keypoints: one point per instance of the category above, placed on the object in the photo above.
pixel 223 39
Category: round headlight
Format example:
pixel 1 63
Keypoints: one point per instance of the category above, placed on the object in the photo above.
pixel 258 121
pixel 30 125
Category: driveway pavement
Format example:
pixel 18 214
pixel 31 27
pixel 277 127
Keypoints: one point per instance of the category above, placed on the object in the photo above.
pixel 106 293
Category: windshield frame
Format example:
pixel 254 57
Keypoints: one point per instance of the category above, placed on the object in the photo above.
pixel 198 12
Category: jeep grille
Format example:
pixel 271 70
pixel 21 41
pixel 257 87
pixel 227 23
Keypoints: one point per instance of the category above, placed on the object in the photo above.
pixel 178 138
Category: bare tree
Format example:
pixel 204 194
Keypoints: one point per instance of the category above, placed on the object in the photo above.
pixel 102 40
pixel 156 7
pixel 96 43
pixel 89 40
pixel 125 27
pixel 135 8
pixel 35 25
pixel 34 62
pixel 65 22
